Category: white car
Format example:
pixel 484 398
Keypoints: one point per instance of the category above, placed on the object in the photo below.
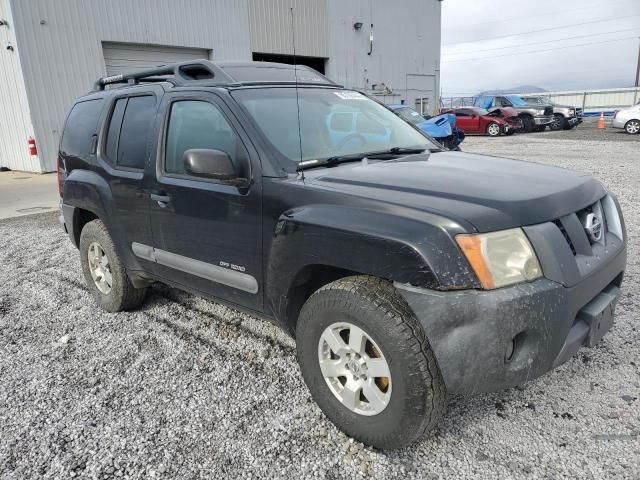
pixel 628 118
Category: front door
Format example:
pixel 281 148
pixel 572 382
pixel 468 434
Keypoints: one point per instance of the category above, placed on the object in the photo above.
pixel 206 234
pixel 466 121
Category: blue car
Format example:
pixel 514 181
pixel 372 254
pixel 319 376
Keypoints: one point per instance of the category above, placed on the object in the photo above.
pixel 441 127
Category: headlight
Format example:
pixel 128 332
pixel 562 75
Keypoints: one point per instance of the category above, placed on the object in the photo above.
pixel 500 258
pixel 540 112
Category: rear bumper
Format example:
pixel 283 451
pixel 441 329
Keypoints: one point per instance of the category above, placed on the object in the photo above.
pixel 486 341
pixel 66 221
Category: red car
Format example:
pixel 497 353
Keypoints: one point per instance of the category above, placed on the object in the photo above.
pixel 474 120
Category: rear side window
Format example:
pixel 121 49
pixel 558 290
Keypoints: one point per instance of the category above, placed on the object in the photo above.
pixel 113 133
pixel 129 129
pixel 80 127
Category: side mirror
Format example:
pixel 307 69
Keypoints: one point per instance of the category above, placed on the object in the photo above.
pixel 213 164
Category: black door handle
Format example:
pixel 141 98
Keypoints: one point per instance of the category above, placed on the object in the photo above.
pixel 161 199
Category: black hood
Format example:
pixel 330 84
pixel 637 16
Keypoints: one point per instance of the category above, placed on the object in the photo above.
pixel 491 193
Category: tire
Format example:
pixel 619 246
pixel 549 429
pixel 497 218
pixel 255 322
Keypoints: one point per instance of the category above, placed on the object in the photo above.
pixel 493 129
pixel 415 393
pixel 527 124
pixel 120 294
pixel 559 122
pixel 632 127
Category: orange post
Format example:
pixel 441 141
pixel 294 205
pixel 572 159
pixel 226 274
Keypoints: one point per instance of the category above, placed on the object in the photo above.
pixel 601 121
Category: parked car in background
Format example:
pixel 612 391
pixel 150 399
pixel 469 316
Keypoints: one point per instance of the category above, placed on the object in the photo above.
pixel 565 117
pixel 475 120
pixel 534 117
pixel 628 118
pixel 441 127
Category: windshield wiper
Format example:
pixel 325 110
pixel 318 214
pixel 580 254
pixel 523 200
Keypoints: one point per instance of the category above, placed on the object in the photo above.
pixel 355 157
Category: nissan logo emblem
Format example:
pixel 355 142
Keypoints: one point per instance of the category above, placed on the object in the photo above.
pixel 593 227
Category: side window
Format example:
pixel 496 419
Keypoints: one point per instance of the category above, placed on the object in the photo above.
pixel 113 134
pixel 198 124
pixel 134 133
pixel 80 127
pixel 463 113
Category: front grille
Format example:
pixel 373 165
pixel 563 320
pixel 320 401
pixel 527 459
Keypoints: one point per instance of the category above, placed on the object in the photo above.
pixel 573 226
pixel 566 236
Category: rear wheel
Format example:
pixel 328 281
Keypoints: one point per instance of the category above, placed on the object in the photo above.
pixel 632 127
pixel 559 122
pixel 493 129
pixel 104 272
pixel 367 362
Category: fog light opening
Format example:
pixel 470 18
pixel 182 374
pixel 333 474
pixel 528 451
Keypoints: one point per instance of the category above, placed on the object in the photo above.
pixel 513 346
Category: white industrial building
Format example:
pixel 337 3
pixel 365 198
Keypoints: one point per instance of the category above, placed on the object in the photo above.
pixel 52 51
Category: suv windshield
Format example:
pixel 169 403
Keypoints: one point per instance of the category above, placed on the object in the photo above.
pixel 332 123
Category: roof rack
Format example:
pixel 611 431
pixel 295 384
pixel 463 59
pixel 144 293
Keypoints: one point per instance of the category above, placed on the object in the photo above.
pixel 227 74
pixel 190 72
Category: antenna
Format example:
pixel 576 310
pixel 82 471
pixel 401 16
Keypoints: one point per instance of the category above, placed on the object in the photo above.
pixel 295 72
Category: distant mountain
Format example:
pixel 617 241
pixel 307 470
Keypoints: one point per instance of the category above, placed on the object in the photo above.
pixel 518 89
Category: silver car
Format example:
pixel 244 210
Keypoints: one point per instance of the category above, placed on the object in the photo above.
pixel 628 118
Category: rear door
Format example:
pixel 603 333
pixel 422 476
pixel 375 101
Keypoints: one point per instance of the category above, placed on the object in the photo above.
pixel 123 151
pixel 206 234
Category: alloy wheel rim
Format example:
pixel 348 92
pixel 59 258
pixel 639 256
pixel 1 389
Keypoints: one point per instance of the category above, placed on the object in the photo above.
pixel 633 127
pixel 99 267
pixel 494 130
pixel 354 368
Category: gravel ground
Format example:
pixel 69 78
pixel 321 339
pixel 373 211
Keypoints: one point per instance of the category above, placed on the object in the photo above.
pixel 186 388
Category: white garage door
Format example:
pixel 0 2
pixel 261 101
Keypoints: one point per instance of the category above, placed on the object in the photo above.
pixel 126 57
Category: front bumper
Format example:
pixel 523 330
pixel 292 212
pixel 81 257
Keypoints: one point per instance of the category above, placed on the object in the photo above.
pixel 487 341
pixel 543 120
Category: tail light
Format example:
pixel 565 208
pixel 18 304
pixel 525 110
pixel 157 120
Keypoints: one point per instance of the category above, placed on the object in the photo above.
pixel 62 175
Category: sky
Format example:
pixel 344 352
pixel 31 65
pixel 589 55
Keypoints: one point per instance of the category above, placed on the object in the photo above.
pixel 572 44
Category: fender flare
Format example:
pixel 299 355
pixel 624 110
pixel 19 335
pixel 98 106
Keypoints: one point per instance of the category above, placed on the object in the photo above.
pixel 409 250
pixel 87 190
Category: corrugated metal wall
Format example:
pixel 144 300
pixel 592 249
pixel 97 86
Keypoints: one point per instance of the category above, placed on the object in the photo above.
pixel 60 42
pixel 15 120
pixel 270 26
pixel 406 47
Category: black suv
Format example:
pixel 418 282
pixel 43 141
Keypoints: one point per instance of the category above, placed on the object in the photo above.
pixel 405 273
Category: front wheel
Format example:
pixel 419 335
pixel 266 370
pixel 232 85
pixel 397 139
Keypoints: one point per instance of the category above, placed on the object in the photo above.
pixel 558 123
pixel 104 272
pixel 527 124
pixel 493 129
pixel 632 127
pixel 367 362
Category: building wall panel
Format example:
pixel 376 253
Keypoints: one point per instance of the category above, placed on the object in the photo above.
pixel 404 61
pixel 272 30
pixel 15 119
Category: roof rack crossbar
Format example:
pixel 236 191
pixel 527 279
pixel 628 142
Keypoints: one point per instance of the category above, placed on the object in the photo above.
pixel 178 71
